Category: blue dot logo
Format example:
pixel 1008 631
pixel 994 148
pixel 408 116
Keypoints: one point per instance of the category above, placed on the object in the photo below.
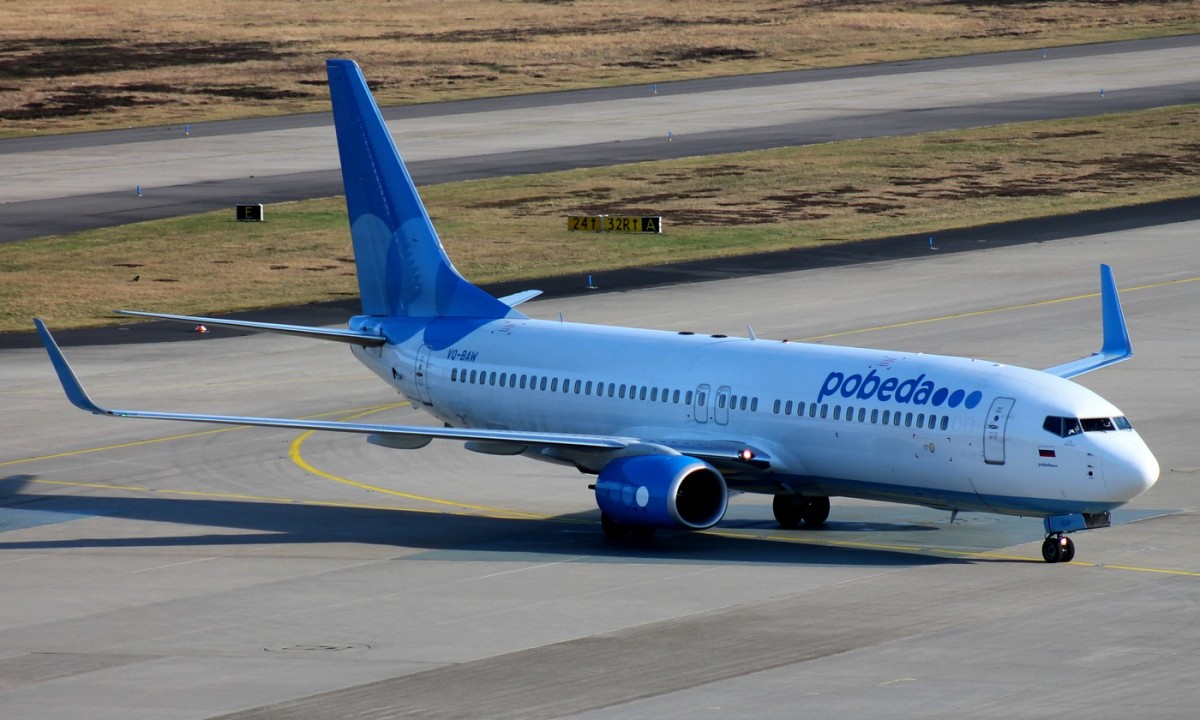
pixel 956 398
pixel 973 399
pixel 939 396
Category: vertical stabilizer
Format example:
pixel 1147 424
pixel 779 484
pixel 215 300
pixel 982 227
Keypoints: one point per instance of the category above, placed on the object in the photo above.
pixel 402 269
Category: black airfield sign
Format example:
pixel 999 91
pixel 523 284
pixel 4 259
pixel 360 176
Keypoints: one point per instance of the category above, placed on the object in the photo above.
pixel 614 223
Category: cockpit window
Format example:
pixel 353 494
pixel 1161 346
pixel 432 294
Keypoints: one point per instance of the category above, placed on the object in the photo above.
pixel 1062 426
pixel 1068 426
pixel 1098 424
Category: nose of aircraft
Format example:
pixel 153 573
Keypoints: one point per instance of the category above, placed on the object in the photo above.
pixel 1130 469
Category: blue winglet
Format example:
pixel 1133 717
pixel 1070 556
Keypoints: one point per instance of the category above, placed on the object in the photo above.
pixel 1116 346
pixel 71 385
pixel 1116 334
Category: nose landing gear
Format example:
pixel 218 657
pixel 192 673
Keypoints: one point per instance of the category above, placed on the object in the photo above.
pixel 1058 548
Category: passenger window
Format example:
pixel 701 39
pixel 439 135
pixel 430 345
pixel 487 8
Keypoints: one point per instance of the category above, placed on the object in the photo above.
pixel 945 421
pixel 700 400
pixel 653 393
pixel 799 408
pixel 622 395
pixel 754 405
pixel 824 410
pixel 588 389
pixel 837 412
pixel 887 417
pixel 522 382
pixel 542 385
pixel 812 410
pixel 778 404
pixel 612 389
pixel 743 404
pixel 896 418
pixel 862 414
pixel 473 376
pixel 492 379
pixel 503 379
pixel 454 375
pixel 687 398
pixel 732 402
pixel 920 420
pixel 874 416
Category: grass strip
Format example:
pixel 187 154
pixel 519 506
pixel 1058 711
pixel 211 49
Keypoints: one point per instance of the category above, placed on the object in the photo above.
pixel 514 227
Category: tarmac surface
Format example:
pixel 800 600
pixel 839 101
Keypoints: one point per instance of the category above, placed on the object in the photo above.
pixel 159 570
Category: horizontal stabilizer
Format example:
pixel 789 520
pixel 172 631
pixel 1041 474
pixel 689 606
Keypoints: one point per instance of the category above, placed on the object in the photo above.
pixel 1116 346
pixel 517 298
pixel 351 337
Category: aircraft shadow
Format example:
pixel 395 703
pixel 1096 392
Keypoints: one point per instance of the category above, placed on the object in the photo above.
pixel 447 536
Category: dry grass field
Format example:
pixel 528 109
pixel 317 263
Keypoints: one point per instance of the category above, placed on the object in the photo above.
pixel 510 228
pixel 69 65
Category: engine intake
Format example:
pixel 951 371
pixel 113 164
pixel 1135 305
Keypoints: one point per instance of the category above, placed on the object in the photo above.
pixel 662 491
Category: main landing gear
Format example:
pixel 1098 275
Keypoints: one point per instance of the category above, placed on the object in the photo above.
pixel 1058 548
pixel 791 510
pixel 620 532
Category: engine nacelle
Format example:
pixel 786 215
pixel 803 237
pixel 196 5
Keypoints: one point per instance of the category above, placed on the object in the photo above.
pixel 662 491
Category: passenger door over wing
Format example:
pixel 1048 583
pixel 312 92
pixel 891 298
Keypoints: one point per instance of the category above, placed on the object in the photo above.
pixel 700 408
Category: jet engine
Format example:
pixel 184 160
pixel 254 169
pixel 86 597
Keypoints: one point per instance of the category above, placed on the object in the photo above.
pixel 662 491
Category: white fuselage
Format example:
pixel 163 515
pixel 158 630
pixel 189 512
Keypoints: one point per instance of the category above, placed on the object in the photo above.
pixel 946 432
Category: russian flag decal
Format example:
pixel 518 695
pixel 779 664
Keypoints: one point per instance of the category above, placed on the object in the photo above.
pixel 1046 452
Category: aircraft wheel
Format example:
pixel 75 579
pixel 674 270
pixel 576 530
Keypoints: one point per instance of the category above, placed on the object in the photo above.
pixel 817 512
pixel 613 530
pixel 788 510
pixel 1052 550
pixel 1068 550
pixel 641 533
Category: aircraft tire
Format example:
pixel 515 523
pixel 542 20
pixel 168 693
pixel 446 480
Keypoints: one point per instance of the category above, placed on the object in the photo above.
pixel 613 530
pixel 1068 550
pixel 1052 550
pixel 788 510
pixel 816 512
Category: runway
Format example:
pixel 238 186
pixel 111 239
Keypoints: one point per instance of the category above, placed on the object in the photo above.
pixel 159 570
pixel 63 184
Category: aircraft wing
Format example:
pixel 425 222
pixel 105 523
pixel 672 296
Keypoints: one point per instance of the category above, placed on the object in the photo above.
pixel 728 456
pixel 80 399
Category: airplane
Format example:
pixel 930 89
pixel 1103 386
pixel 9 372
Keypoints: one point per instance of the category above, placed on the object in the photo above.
pixel 672 422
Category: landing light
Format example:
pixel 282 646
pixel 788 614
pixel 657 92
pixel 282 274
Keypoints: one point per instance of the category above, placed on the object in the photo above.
pixel 746 454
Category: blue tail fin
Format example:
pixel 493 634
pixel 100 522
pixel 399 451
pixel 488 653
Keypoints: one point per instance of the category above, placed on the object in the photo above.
pixel 402 269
